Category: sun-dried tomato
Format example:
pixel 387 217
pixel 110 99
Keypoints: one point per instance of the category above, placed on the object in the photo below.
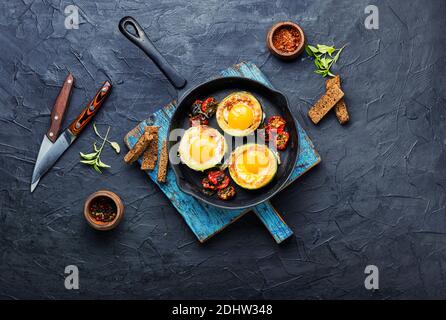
pixel 196 107
pixel 215 176
pixel 281 140
pixel 209 107
pixel 223 183
pixel 199 119
pixel 277 122
pixel 216 179
pixel 208 184
pixel 226 193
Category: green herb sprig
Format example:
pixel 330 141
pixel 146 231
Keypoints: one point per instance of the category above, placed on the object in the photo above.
pixel 324 58
pixel 94 159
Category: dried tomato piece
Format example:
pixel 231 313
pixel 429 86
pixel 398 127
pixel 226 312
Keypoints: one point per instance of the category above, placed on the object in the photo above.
pixel 281 140
pixel 196 107
pixel 223 183
pixel 197 120
pixel 277 122
pixel 209 107
pixel 208 184
pixel 226 193
pixel 216 176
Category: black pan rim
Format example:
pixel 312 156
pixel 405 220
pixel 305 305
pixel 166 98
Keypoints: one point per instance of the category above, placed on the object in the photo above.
pixel 201 197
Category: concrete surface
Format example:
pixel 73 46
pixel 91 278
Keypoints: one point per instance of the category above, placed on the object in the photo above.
pixel 378 197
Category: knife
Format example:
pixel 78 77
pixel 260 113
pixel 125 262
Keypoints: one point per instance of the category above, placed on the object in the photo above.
pixel 53 152
pixel 57 115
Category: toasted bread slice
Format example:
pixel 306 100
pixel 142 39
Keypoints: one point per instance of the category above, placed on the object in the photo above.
pixel 340 107
pixel 151 154
pixel 325 103
pixel 163 163
pixel 139 147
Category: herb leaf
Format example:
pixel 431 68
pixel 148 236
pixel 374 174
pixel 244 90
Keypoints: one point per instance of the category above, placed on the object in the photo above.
pixel 115 146
pixel 312 49
pixel 88 156
pixel 95 167
pixel 308 50
pixel 323 58
pixel 93 159
pixel 100 164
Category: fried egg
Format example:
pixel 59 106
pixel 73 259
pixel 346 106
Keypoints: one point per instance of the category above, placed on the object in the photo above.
pixel 239 114
pixel 202 147
pixel 252 166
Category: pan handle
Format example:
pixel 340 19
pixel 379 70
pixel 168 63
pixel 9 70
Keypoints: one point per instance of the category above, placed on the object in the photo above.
pixel 140 39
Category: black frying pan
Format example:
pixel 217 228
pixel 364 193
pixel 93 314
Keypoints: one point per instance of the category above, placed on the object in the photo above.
pixel 273 103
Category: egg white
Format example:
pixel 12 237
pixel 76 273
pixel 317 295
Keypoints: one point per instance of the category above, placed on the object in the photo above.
pixel 245 178
pixel 202 132
pixel 242 97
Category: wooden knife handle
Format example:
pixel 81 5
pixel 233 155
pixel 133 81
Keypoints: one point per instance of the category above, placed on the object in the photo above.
pixel 59 108
pixel 88 113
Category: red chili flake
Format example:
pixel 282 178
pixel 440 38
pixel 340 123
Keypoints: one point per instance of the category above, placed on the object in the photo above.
pixel 281 140
pixel 226 193
pixel 286 39
pixel 103 209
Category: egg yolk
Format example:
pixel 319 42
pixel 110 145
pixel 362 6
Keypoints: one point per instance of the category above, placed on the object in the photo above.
pixel 255 161
pixel 202 150
pixel 240 117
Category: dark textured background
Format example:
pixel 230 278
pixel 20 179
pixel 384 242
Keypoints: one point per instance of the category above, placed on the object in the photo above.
pixel 378 197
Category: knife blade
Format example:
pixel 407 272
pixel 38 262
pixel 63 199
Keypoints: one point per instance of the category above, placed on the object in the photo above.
pixel 57 115
pixel 55 151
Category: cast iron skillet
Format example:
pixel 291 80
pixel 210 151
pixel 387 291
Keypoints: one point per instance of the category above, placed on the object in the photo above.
pixel 273 103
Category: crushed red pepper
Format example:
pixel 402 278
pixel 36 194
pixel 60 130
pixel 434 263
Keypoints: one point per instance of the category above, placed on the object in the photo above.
pixel 103 209
pixel 286 39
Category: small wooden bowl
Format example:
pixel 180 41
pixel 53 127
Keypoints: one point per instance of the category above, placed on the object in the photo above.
pixel 103 226
pixel 281 54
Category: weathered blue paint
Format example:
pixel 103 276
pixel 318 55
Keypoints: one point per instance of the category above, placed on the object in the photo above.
pixel 205 220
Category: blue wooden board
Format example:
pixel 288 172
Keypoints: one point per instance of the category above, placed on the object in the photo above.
pixel 203 219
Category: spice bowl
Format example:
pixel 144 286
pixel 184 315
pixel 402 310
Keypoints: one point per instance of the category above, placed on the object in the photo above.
pixel 286 40
pixel 103 210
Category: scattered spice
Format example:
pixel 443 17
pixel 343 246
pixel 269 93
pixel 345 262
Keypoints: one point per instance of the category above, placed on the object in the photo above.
pixel 103 209
pixel 286 39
